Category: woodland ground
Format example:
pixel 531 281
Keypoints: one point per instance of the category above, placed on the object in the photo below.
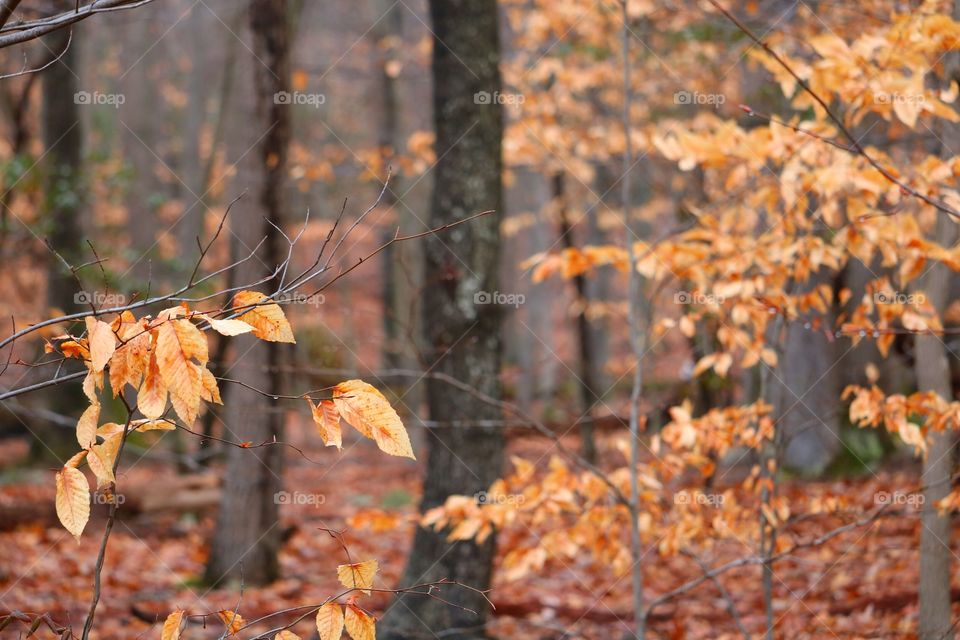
pixel 857 586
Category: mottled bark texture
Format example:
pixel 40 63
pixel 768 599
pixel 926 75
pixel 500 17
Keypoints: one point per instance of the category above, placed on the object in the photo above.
pixel 462 327
pixel 248 535
pixel 933 374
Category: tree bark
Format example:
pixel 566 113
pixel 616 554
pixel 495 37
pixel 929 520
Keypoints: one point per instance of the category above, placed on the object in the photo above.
pixel 462 329
pixel 63 207
pixel 933 374
pixel 248 536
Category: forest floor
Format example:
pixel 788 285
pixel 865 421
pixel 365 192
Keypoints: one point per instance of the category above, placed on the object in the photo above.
pixel 859 585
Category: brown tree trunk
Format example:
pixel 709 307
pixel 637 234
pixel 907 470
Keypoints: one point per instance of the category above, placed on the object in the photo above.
pixel 248 535
pixel 63 206
pixel 586 366
pixel 462 332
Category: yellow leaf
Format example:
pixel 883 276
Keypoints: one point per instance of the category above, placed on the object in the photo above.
pixel 73 500
pixel 267 319
pixel 153 425
pixel 365 408
pixel 87 426
pixel 231 620
pixel 102 457
pixel 209 391
pixel 286 635
pixel 75 460
pixel 102 343
pixel 230 327
pixel 131 359
pixel 359 625
pixel 179 341
pixel 152 398
pixel 171 626
pixel 358 575
pixel 330 621
pixel 327 419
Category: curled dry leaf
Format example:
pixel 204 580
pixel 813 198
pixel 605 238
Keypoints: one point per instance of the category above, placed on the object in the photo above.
pixel 327 419
pixel 232 620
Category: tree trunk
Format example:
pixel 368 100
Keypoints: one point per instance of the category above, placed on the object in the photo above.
pixel 933 374
pixel 248 536
pixel 462 332
pixel 586 385
pixel 63 206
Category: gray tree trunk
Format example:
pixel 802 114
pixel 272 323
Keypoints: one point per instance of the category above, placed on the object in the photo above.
pixel 933 374
pixel 463 334
pixel 248 535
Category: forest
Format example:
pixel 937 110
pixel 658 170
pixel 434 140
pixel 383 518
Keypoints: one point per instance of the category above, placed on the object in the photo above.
pixel 479 319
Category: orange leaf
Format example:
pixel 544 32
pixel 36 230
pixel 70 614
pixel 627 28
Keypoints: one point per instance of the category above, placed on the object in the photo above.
pixel 267 319
pixel 152 398
pixel 232 620
pixel 178 341
pixel 73 500
pixel 327 419
pixel 171 626
pixel 102 343
pixel 359 625
pixel 365 408
pixel 330 621
pixel 358 575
